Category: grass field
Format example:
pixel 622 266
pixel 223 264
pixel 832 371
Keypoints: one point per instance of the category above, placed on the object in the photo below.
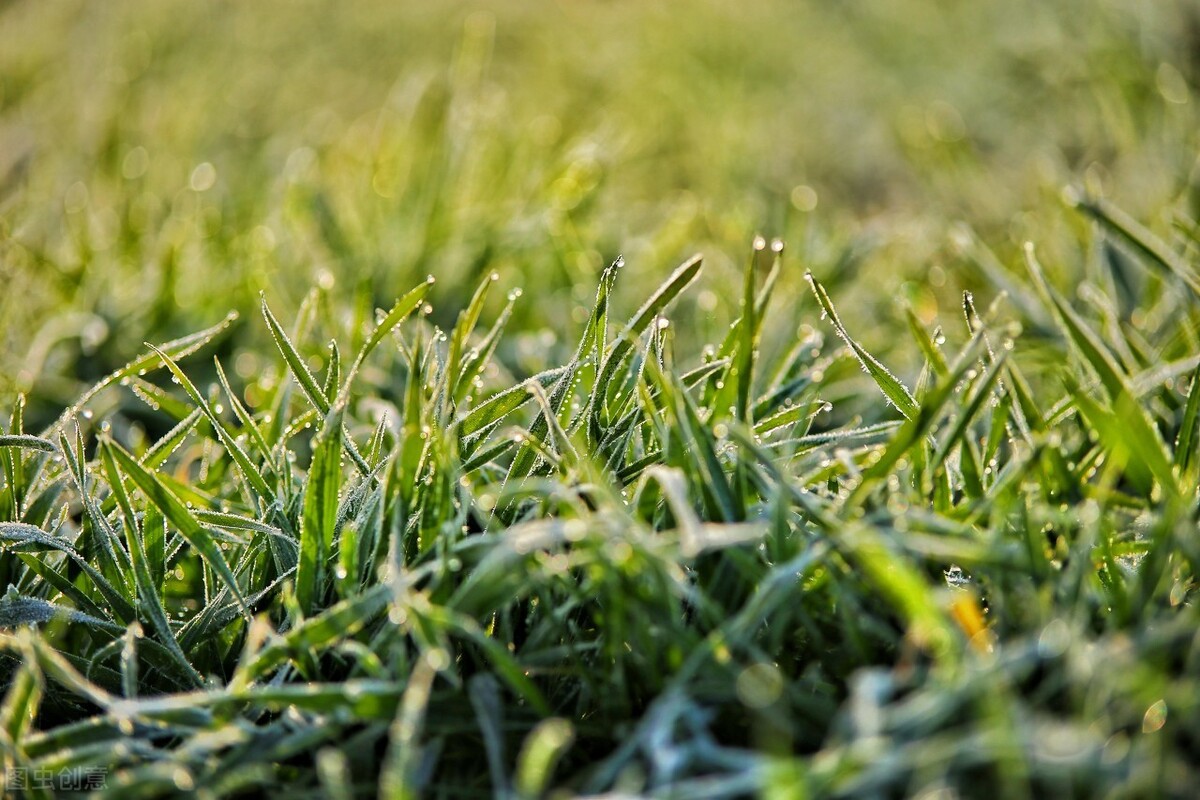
pixel 368 426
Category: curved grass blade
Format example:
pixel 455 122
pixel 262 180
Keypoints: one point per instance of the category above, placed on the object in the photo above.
pixel 398 313
pixel 895 391
pixel 17 610
pixel 1089 345
pixel 397 778
pixel 295 363
pixel 181 517
pixel 114 561
pixel 243 416
pixel 966 415
pixel 257 483
pixel 479 357
pixel 22 700
pixel 501 404
pixel 622 346
pixel 17 536
pixel 468 318
pixel 161 450
pixel 150 601
pixel 339 621
pixel 1136 430
pixel 26 441
pixel 1136 237
pixel 307 382
pixel 929 348
pixel 61 584
pixel 177 348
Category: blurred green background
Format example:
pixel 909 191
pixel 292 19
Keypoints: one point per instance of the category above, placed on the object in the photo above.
pixel 164 162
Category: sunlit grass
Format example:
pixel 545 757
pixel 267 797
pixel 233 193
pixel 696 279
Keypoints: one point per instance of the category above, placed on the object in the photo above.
pixel 648 569
pixel 906 507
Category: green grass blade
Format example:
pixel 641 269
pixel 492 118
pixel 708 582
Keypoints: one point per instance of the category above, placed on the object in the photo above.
pixel 320 512
pixel 1136 237
pixel 500 405
pixel 1087 343
pixel 748 341
pixel 28 442
pixel 929 348
pixel 181 517
pixel 333 373
pixel 243 416
pixel 468 318
pixel 22 700
pixel 21 537
pixel 477 359
pixel 1186 441
pixel 149 600
pixel 399 312
pixel 896 393
pixel 252 474
pixel 16 610
pixel 622 346
pixel 295 363
pixel 177 348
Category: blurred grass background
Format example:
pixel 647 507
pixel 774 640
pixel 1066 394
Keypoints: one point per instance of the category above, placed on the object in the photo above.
pixel 164 162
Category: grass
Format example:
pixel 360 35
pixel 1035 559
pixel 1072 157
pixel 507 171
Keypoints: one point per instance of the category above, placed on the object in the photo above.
pixel 641 571
pixel 906 507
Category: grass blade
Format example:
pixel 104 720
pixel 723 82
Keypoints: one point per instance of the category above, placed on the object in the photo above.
pixel 896 393
pixel 177 348
pixel 181 517
pixel 320 512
